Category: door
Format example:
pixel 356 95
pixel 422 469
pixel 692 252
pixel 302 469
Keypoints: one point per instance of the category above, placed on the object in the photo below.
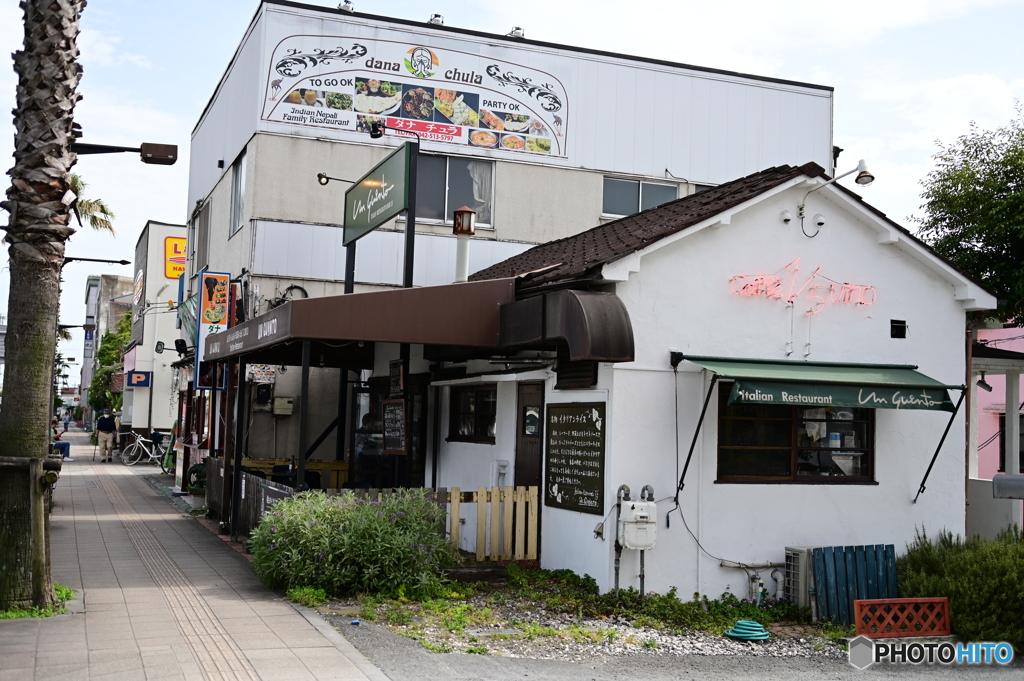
pixel 529 434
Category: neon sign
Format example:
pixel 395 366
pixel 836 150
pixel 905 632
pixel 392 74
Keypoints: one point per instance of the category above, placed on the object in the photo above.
pixel 774 286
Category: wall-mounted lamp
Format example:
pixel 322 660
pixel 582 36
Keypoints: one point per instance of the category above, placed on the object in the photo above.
pixel 864 178
pixel 983 384
pixel 324 178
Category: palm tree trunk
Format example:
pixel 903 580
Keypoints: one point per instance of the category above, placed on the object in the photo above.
pixel 38 202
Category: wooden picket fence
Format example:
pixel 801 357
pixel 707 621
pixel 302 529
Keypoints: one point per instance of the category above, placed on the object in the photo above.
pixel 506 518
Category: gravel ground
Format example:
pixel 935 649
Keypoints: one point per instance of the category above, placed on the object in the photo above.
pixel 524 629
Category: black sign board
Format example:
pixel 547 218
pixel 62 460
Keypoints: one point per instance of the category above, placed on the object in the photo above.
pixel 395 440
pixel 395 367
pixel 574 457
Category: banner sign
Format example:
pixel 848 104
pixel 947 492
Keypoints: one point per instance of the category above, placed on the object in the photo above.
pixel 174 256
pixel 378 196
pixel 212 317
pixel 574 457
pixel 833 395
pixel 460 98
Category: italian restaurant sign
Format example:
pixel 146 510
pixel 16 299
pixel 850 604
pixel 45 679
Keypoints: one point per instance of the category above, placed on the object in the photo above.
pixel 380 195
pixel 574 457
pixel 459 98
pixel 831 395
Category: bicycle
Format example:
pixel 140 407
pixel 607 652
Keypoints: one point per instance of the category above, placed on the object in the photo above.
pixel 146 451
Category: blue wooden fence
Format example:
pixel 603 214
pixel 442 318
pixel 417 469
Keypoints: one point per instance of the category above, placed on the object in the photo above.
pixel 843 574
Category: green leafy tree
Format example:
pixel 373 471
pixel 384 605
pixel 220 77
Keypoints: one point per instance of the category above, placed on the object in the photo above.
pixel 974 210
pixel 109 361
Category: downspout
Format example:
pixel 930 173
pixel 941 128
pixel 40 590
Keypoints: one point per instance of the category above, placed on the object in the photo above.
pixel 621 495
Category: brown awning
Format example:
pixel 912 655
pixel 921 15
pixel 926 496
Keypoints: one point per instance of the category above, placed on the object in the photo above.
pixel 454 314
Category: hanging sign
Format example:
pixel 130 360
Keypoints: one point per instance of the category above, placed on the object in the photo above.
pixel 574 457
pixel 380 195
pixel 395 425
pixel 397 385
pixel 211 319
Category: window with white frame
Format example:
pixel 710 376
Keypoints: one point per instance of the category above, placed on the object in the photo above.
pixel 625 197
pixel 199 239
pixel 237 195
pixel 446 183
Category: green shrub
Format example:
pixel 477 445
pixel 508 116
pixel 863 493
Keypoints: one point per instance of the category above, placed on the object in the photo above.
pixel 347 545
pixel 982 579
pixel 307 596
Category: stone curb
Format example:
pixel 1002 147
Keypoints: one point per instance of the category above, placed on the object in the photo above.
pixel 341 643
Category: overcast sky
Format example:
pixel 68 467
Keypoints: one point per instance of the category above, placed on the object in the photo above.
pixel 906 73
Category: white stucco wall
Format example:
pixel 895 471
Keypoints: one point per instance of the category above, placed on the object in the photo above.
pixel 679 297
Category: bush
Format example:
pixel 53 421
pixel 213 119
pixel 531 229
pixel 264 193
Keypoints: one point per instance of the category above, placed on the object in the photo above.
pixel 982 579
pixel 347 545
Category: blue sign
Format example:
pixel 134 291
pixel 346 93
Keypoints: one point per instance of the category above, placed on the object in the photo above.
pixel 138 379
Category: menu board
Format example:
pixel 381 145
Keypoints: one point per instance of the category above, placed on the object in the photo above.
pixel 574 457
pixel 395 441
pixel 348 82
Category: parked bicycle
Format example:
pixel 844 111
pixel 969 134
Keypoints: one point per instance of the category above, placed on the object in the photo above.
pixel 146 451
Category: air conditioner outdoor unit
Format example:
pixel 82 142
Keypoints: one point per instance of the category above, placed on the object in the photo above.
pixel 799 581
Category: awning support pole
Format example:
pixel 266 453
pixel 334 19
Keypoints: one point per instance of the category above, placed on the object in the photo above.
pixel 696 432
pixel 350 267
pixel 963 392
pixel 241 412
pixel 300 473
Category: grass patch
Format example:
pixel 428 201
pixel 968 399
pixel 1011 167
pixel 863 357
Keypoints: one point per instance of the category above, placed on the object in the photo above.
pixel 307 595
pixel 63 594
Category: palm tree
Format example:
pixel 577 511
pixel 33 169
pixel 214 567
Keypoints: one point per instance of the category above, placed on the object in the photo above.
pixel 93 211
pixel 38 201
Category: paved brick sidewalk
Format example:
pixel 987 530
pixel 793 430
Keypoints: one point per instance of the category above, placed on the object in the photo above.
pixel 160 597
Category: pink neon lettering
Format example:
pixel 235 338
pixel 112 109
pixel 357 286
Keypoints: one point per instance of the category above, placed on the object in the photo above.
pixel 771 286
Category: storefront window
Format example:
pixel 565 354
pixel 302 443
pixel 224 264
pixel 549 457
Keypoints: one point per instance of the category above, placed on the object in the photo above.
pixel 445 184
pixel 775 443
pixel 473 410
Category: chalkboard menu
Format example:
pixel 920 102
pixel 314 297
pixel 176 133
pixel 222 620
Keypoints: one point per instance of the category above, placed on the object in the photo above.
pixel 574 457
pixel 394 427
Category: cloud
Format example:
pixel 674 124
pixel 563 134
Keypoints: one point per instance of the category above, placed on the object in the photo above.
pixel 98 49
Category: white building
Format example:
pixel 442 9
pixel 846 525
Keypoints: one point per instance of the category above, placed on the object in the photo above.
pixel 542 140
pixel 107 296
pixel 826 339
pixel 150 400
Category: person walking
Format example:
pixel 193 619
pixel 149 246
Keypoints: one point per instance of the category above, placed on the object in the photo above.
pixel 106 434
pixel 67 420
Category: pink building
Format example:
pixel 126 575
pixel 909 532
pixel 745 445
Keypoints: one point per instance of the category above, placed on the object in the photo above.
pixel 998 357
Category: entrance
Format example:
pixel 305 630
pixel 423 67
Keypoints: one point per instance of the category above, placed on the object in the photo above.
pixel 529 434
pixel 370 467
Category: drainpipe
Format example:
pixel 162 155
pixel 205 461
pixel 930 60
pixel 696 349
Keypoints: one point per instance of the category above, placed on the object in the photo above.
pixel 465 227
pixel 621 495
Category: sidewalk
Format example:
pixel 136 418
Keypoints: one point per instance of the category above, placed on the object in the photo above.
pixel 160 596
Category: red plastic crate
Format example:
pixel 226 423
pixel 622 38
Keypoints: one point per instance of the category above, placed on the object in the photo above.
pixel 899 617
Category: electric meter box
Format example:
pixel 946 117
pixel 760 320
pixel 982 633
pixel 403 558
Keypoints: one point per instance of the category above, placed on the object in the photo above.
pixel 283 406
pixel 638 525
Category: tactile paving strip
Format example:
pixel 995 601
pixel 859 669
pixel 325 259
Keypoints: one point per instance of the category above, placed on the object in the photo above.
pixel 214 650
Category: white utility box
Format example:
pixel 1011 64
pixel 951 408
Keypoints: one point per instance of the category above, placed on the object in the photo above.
pixel 638 525
pixel 283 406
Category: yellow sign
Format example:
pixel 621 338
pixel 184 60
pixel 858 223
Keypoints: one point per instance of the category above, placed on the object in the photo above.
pixel 174 256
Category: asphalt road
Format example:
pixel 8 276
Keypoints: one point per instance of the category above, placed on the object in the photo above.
pixel 403 659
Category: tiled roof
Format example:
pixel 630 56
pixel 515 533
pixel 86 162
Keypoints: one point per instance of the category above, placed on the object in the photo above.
pixel 580 255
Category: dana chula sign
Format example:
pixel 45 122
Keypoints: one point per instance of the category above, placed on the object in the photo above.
pixel 379 196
